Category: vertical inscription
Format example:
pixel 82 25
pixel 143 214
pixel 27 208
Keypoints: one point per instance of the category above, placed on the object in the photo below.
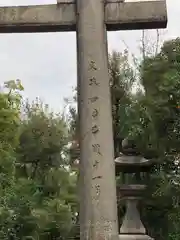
pixel 97 177
pixel 2 14
pixel 9 14
pixel 97 191
pixel 95 113
pixel 93 99
pixel 92 65
pixel 97 187
pixel 95 129
pixel 96 148
pixel 13 14
pixel 95 163
pixel 93 81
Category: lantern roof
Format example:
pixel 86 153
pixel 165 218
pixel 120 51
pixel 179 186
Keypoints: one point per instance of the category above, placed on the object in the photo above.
pixel 130 161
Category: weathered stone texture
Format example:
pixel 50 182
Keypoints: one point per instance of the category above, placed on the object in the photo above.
pixel 136 15
pixel 46 18
pixel 62 17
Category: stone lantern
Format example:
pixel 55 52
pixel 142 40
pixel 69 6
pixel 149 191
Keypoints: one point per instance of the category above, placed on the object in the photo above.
pixel 132 168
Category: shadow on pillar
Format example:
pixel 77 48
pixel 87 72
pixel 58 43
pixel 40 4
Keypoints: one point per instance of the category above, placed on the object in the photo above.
pixel 132 168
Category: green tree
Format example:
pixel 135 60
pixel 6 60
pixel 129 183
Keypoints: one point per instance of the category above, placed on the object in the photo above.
pixel 160 78
pixel 37 197
pixel 42 159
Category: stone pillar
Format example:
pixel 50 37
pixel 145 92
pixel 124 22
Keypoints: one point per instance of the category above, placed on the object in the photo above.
pixel 98 208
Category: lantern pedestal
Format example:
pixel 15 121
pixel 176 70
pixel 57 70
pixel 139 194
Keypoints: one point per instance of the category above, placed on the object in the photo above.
pixel 132 223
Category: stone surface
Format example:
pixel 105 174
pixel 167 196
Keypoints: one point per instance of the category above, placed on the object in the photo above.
pixel 98 205
pixel 131 190
pixel 62 16
pixel 136 15
pixel 132 223
pixel 133 164
pixel 134 237
pixel 41 18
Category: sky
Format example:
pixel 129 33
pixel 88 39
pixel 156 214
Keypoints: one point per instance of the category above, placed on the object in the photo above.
pixel 46 62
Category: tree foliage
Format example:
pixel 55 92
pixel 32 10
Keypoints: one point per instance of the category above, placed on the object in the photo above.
pixel 38 199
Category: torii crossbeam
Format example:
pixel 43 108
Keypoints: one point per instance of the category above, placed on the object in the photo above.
pixel 90 19
pixel 63 16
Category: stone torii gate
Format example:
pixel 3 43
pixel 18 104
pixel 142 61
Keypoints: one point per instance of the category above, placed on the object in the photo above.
pixel 90 19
